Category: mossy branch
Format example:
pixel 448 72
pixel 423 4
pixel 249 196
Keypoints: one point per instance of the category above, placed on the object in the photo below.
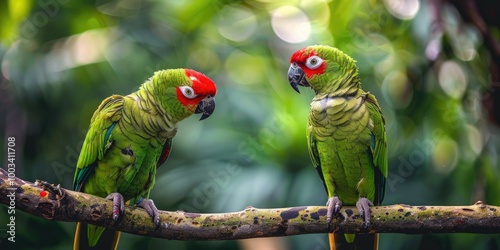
pixel 54 203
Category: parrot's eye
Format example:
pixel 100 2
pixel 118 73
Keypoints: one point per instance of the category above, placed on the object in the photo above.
pixel 187 92
pixel 314 62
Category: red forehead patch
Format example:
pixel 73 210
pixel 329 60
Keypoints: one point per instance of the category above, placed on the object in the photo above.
pixel 300 57
pixel 201 83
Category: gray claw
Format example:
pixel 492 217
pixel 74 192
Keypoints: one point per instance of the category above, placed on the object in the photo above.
pixel 151 209
pixel 334 205
pixel 363 206
pixel 118 205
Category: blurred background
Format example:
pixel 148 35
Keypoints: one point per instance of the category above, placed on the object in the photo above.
pixel 433 66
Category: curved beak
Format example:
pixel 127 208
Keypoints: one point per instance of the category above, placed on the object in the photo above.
pixel 297 77
pixel 206 106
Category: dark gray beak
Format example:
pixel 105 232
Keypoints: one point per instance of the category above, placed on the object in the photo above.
pixel 206 106
pixel 297 77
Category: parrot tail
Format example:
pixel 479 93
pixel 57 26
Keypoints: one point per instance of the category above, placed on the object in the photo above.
pixel 108 239
pixel 361 242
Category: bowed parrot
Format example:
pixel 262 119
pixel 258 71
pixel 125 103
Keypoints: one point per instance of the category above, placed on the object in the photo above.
pixel 345 134
pixel 129 138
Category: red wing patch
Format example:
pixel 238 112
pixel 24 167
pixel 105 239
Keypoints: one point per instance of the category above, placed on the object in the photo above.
pixel 165 153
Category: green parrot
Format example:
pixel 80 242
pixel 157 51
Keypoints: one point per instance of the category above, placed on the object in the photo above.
pixel 346 136
pixel 129 138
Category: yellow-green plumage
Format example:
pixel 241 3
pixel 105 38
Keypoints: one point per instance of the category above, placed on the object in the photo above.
pixel 345 133
pixel 340 132
pixel 130 136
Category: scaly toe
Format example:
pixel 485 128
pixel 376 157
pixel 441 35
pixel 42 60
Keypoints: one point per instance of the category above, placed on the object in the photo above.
pixel 334 205
pixel 151 209
pixel 363 206
pixel 118 205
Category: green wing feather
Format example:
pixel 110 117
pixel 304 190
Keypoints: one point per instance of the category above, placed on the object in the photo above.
pixel 98 138
pixel 313 153
pixel 94 147
pixel 379 146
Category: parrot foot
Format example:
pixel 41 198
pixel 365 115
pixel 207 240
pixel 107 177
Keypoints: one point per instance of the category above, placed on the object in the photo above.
pixel 118 205
pixel 334 205
pixel 151 209
pixel 363 206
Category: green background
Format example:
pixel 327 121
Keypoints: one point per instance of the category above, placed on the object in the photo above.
pixel 59 59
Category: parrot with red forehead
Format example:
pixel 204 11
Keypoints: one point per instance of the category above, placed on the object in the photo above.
pixel 129 138
pixel 345 134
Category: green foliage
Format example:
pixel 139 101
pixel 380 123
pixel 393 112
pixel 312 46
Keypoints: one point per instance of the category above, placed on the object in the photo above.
pixel 60 58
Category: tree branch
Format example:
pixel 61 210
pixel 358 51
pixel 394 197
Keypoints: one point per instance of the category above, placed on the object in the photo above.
pixel 54 203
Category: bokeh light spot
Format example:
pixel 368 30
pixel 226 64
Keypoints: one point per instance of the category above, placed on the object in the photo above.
pixel 452 79
pixel 203 58
pixel 291 24
pixel 237 23
pixel 476 140
pixel 397 89
pixel 87 47
pixel 250 72
pixel 402 9
pixel 445 155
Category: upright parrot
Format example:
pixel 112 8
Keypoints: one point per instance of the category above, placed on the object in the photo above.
pixel 345 134
pixel 129 138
